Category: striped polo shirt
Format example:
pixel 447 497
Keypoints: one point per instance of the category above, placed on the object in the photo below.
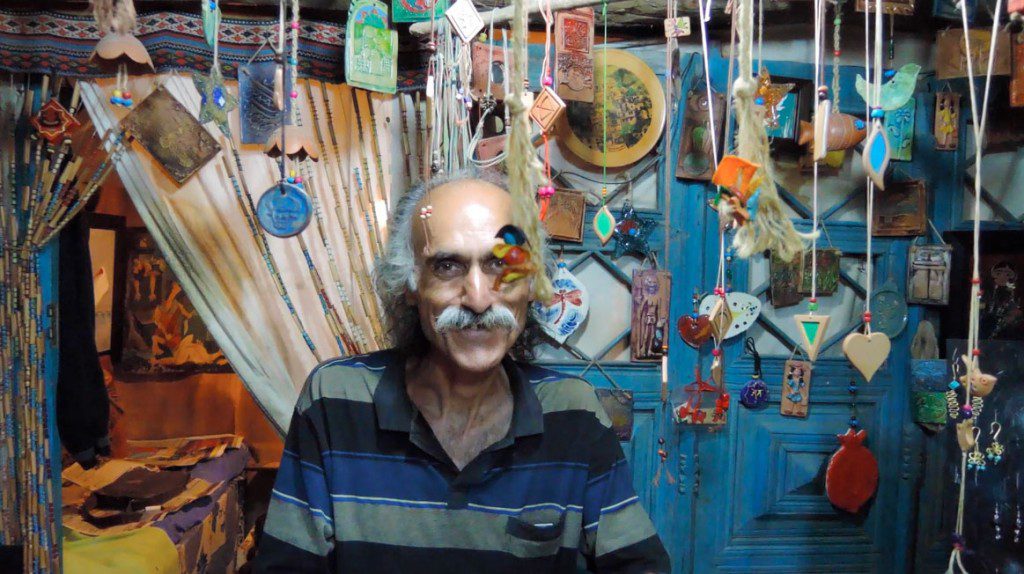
pixel 364 485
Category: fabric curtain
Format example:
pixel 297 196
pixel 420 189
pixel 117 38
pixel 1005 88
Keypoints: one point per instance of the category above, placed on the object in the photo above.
pixel 203 231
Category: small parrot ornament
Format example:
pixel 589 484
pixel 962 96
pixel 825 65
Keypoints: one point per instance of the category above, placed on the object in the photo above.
pixel 515 254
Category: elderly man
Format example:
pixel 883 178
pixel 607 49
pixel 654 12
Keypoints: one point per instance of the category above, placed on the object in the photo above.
pixel 445 454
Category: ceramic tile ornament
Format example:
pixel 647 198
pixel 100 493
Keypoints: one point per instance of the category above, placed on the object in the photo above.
pixel 652 290
pixel 284 210
pixel 796 388
pixel 951 61
pixel 867 352
pixel 371 48
pixel 258 113
pixel 574 54
pixel 897 90
pixel 211 20
pixel 53 122
pixel 546 109
pixel 828 272
pixel 566 214
pixel 902 210
pixel 417 10
pixel 695 154
pixel 743 310
pixel 876 155
pixel 677 27
pixel 465 19
pixel 785 280
pixel 947 120
pixel 769 95
pixel 604 224
pixel 812 330
pixel 568 307
pixel 928 274
pixel 631 232
pixel 216 102
pixel 493 60
pixel 899 129
pixel 171 134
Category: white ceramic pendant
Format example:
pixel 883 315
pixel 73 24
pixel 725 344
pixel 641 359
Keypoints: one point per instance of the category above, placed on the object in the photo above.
pixel 568 307
pixel 745 310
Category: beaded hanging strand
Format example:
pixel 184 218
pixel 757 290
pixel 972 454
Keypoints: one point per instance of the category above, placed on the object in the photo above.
pixel 546 191
pixel 604 221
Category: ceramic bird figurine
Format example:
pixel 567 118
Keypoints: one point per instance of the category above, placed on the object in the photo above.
pixel 844 132
pixel 897 90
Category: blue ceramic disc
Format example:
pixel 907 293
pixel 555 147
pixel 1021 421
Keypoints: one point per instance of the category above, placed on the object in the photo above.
pixel 754 394
pixel 284 210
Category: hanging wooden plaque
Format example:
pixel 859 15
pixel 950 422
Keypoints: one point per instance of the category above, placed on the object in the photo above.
pixel 652 290
pixel 566 214
pixel 928 274
pixel 901 211
pixel 1017 73
pixel 796 388
pixel 574 54
pixel 785 281
pixel 171 134
pixel 493 60
pixel 417 10
pixel 371 48
pixel 951 61
pixel 828 272
pixel 899 128
pixel 947 120
pixel 696 159
pixel 677 27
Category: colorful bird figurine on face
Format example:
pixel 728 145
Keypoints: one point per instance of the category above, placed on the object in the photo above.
pixel 514 253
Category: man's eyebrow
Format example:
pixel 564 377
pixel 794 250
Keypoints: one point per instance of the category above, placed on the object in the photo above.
pixel 442 255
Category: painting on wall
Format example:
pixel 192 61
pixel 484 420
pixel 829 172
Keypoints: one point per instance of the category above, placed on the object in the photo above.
pixel 163 336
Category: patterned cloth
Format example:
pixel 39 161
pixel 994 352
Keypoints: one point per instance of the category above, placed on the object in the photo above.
pixel 41 42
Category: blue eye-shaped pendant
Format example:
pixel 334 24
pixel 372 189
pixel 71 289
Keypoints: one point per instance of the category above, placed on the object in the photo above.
pixel 754 394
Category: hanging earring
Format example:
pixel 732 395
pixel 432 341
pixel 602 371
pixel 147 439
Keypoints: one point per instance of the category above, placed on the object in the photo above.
pixel 994 452
pixel 976 461
pixel 995 521
pixel 1018 522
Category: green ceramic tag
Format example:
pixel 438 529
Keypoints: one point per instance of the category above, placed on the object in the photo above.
pixel 371 48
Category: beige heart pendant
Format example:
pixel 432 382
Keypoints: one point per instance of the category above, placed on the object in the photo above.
pixel 867 352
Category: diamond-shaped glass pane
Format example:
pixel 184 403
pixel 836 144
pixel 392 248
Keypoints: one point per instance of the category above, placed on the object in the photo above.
pixel 834 186
pixel 844 307
pixel 1002 178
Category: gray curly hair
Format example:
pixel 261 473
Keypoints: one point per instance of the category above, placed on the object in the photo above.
pixel 396 274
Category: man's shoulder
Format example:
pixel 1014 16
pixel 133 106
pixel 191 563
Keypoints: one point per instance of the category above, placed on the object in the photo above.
pixel 352 378
pixel 560 392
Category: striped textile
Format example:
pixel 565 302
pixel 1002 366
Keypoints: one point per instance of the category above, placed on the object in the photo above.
pixel 364 486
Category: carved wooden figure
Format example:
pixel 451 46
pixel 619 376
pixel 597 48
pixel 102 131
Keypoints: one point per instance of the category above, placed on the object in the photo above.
pixel 652 290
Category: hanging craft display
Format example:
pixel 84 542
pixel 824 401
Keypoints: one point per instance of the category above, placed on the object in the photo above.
pixel 902 211
pixel 1017 71
pixel 897 91
pixel 635 112
pixel 696 409
pixel 867 352
pixel 417 10
pixel 951 58
pixel 678 27
pixel 258 112
pixel 738 181
pixel 843 132
pixel 852 476
pixel 284 210
pixel 875 158
pixel 53 122
pixel 743 309
pixel 812 330
pixel 216 102
pixel 696 158
pixel 928 274
pixel 785 280
pixel 719 316
pixel 547 109
pixel 211 20
pixel 565 215
pixel 694 328
pixel 631 232
pixel 490 62
pixel 604 222
pixel 769 96
pixel 574 54
pixel 899 129
pixel 947 121
pixel 651 295
pixel 796 388
pixel 171 134
pixel 465 19
pixel 514 252
pixel 755 393
pixel 568 307
pixel 826 281
pixel 371 48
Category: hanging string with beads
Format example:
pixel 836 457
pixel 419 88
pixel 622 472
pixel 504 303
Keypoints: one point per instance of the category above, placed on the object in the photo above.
pixel 819 80
pixel 546 191
pixel 872 102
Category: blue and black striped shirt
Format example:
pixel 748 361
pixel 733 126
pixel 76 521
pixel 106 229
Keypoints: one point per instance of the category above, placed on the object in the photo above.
pixel 364 486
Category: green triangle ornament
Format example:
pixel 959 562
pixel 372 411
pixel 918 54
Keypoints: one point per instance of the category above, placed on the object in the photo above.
pixel 604 224
pixel 812 329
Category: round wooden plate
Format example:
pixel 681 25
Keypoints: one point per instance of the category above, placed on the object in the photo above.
pixel 636 112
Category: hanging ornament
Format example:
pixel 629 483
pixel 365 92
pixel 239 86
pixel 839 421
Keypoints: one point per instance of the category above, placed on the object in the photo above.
pixel 514 252
pixel 812 330
pixel 743 311
pixel 216 102
pixel 754 394
pixel 843 132
pixel 947 120
pixel 852 476
pixel 651 296
pixel 604 221
pixel 696 409
pixel 371 47
pixel 298 142
pixel 738 180
pixel 875 158
pixel 211 20
pixel 631 232
pixel 694 328
pixel 568 307
pixel 284 210
pixel 796 388
pixel 769 96
pixel 897 91
pixel 890 310
pixel 867 352
pixel 54 122
pixel 119 48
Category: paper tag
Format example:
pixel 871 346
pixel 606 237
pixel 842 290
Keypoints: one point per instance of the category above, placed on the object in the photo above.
pixel 677 27
pixel 465 19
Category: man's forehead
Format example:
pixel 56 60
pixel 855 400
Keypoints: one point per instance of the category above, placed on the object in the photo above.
pixel 464 208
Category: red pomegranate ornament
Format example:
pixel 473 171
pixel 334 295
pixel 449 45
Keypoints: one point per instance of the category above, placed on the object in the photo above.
pixel 852 476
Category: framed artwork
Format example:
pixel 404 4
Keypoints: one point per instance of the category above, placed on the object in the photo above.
pixel 902 210
pixel 652 290
pixel 1001 264
pixel 928 274
pixel 258 113
pixel 163 336
pixel 793 114
pixel 951 60
pixel 785 281
pixel 107 253
pixel 828 272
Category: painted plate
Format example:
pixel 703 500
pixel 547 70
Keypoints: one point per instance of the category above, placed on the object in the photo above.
pixel 284 210
pixel 636 112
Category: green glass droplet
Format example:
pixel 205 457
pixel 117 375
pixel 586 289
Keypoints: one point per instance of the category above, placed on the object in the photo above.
pixel 604 224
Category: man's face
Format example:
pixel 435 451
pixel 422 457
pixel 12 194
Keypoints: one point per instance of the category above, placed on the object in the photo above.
pixel 458 270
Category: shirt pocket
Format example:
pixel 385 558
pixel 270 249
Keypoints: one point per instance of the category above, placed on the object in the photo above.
pixel 535 533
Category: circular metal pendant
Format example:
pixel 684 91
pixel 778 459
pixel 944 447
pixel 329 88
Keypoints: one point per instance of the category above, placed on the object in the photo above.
pixel 284 210
pixel 754 394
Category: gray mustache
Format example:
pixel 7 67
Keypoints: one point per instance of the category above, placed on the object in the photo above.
pixel 456 318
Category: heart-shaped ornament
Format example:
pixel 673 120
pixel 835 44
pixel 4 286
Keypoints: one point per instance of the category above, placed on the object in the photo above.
pixel 867 352
pixel 694 329
pixel 745 309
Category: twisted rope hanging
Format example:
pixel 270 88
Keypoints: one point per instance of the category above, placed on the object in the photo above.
pixel 525 171
pixel 771 229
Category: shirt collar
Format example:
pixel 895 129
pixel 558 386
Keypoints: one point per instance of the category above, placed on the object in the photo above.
pixel 396 412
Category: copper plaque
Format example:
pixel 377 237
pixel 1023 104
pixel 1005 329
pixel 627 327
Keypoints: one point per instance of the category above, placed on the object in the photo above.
pixel 901 210
pixel 565 216
pixel 951 55
pixel 171 134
